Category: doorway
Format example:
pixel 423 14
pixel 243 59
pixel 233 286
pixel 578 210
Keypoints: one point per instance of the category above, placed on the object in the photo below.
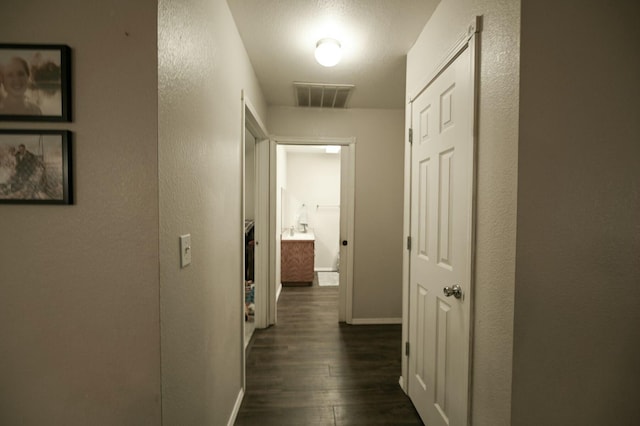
pixel 308 206
pixel 287 210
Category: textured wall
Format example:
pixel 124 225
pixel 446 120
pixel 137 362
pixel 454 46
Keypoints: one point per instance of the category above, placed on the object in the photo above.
pixel 496 184
pixel 377 287
pixel 202 69
pixel 79 320
pixel 577 320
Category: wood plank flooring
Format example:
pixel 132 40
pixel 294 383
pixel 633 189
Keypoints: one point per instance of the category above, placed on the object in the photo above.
pixel 311 370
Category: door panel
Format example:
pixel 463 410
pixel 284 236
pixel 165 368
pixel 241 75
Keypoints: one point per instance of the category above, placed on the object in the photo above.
pixel 441 350
pixel 441 220
pixel 421 337
pixel 445 209
pixel 423 215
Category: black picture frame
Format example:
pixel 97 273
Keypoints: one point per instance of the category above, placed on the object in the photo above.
pixel 36 82
pixel 36 167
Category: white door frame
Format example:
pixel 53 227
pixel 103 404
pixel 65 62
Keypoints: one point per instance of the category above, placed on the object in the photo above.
pixel 251 121
pixel 347 197
pixel 470 40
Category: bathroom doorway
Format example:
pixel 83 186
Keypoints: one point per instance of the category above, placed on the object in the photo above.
pixel 312 215
pixel 309 207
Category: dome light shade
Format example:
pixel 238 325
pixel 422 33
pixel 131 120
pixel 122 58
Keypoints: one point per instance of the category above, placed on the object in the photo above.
pixel 328 52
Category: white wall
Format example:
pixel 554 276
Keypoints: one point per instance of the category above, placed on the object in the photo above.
pixel 496 184
pixel 203 67
pixel 314 180
pixel 577 315
pixel 378 195
pixel 79 320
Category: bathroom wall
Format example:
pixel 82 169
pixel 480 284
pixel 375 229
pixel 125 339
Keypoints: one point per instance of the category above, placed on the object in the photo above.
pixel 313 179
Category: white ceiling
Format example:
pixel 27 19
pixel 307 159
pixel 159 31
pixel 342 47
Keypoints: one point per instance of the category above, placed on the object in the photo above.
pixel 280 38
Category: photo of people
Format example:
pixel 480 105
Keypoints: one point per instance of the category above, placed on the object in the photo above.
pixel 32 83
pixel 33 167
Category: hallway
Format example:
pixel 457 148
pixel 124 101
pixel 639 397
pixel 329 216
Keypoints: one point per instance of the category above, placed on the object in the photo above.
pixel 311 370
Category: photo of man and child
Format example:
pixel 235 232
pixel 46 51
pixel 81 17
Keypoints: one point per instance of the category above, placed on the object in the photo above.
pixel 31 167
pixel 30 82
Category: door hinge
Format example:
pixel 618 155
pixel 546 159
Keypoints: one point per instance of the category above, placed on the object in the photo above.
pixel 410 135
pixel 409 243
pixel 406 348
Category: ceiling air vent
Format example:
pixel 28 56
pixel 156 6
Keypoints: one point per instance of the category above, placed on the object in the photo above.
pixel 322 95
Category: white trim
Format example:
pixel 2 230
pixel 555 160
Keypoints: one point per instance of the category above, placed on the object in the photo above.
pixel 376 321
pixel 474 46
pixel 274 288
pixel 241 235
pixel 401 383
pixel 236 408
pixel 460 45
pixel 253 121
pixel 305 140
pixel 345 311
pixel 261 235
pixel 406 254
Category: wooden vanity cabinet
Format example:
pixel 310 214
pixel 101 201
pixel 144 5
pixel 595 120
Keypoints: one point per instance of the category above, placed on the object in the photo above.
pixel 297 259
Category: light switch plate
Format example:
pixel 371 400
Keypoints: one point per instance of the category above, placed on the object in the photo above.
pixel 185 250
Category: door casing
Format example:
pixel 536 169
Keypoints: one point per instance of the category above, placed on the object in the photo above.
pixel 251 122
pixel 347 197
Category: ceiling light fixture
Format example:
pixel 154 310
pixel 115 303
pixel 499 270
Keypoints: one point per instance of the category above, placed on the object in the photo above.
pixel 328 52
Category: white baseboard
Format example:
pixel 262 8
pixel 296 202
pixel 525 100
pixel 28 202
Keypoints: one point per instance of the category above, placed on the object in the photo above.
pixel 236 408
pixel 401 382
pixel 375 321
pixel 278 291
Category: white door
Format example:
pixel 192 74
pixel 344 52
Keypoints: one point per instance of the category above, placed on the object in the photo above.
pixel 261 235
pixel 347 197
pixel 442 169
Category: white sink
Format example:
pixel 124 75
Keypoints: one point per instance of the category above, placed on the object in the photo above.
pixel 298 236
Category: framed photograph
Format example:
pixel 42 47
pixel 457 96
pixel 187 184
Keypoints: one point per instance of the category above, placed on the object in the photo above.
pixel 35 82
pixel 35 167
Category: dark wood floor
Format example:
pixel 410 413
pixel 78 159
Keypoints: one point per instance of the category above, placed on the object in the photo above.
pixel 311 370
